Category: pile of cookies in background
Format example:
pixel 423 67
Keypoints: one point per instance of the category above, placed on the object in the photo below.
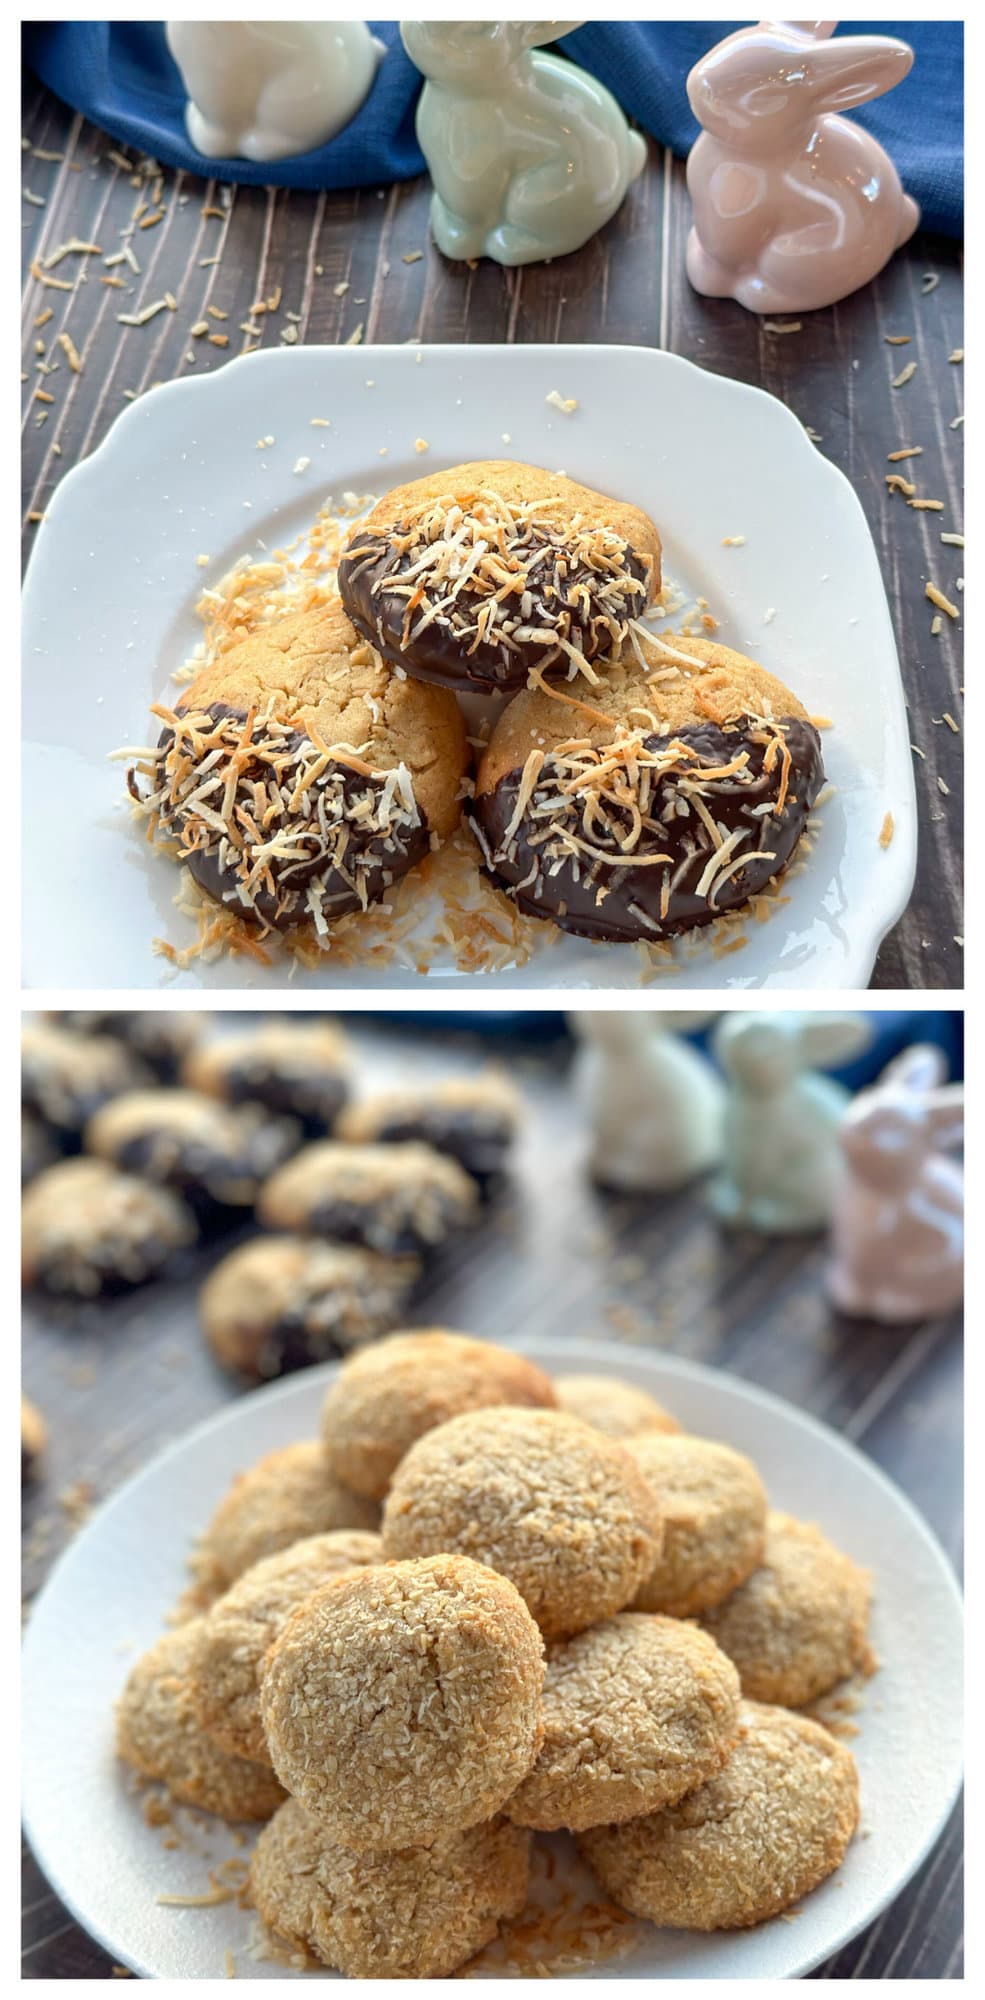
pixel 481 1608
pixel 149 1141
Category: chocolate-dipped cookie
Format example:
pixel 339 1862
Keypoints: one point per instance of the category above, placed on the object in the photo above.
pixel 486 574
pixel 88 1231
pixel 400 1200
pixel 279 1303
pixel 213 1155
pixel 473 1119
pixel 65 1077
pixel 296 1067
pixel 300 777
pixel 672 793
pixel 160 1038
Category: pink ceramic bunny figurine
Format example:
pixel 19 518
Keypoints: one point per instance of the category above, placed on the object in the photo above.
pixel 793 206
pixel 898 1219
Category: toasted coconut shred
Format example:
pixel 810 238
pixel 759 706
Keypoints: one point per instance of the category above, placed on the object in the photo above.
pixel 502 575
pixel 461 916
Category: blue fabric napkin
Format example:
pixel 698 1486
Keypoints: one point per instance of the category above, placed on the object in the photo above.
pixel 121 75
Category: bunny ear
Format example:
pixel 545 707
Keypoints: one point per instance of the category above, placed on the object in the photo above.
pixel 684 1021
pixel 818 30
pixel 855 68
pixel 832 1038
pixel 919 1068
pixel 535 34
pixel 945 1108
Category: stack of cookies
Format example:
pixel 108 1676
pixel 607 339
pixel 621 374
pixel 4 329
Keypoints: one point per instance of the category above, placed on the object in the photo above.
pixel 570 1615
pixel 631 787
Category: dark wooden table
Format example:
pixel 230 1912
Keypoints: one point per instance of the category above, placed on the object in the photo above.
pixel 360 264
pixel 555 1257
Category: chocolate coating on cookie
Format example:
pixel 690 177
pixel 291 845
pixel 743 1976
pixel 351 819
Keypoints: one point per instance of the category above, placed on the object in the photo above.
pixel 490 573
pixel 472 1119
pixel 295 1069
pixel 299 778
pixel 213 1155
pixel 675 804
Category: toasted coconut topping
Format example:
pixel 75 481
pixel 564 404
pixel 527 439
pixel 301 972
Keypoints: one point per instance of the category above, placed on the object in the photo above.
pixel 297 831
pixel 507 578
pixel 602 809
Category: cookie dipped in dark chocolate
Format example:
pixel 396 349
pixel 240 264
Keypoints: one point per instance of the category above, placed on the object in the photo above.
pixel 548 875
pixel 532 601
pixel 306 827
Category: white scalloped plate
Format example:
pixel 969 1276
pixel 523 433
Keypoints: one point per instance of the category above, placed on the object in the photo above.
pixel 108 615
pixel 109 1594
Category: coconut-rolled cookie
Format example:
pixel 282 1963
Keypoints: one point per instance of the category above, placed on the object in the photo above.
pixel 216 1156
pixel 485 574
pixel 299 777
pixel 403 1201
pixel 673 792
pixel 471 1118
pixel 89 1232
pixel 282 1302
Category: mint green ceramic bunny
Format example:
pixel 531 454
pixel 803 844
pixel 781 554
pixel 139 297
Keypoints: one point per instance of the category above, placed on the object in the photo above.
pixel 529 156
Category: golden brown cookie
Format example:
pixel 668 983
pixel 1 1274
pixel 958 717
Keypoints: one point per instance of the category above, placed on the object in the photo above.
pixel 798 1623
pixel 159 1734
pixel 612 1406
pixel 89 1231
pixel 482 575
pixel 34 1439
pixel 162 1040
pixel 400 1200
pixel 66 1076
pixel 637 1712
pixel 228 1645
pixel 296 1068
pixel 418 1913
pixel 560 1509
pixel 471 1118
pixel 285 1497
pixel 752 1841
pixel 669 793
pixel 385 1398
pixel 281 1302
pixel 300 777
pixel 213 1155
pixel 713 1506
pixel 402 1704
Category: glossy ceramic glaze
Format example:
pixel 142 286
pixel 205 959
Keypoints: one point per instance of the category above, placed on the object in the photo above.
pixel 794 207
pixel 529 156
pixel 898 1220
pixel 780 1155
pixel 652 1102
pixel 265 90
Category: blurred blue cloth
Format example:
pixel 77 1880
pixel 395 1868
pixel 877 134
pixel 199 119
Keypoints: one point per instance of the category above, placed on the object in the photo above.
pixel 121 75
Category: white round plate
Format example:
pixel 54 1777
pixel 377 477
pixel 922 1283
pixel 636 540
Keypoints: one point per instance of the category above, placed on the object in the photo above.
pixel 108 1597
pixel 111 589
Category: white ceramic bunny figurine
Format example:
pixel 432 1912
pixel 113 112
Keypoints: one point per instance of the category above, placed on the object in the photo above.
pixel 529 156
pixel 794 207
pixel 653 1103
pixel 265 90
pixel 898 1220
pixel 781 1157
